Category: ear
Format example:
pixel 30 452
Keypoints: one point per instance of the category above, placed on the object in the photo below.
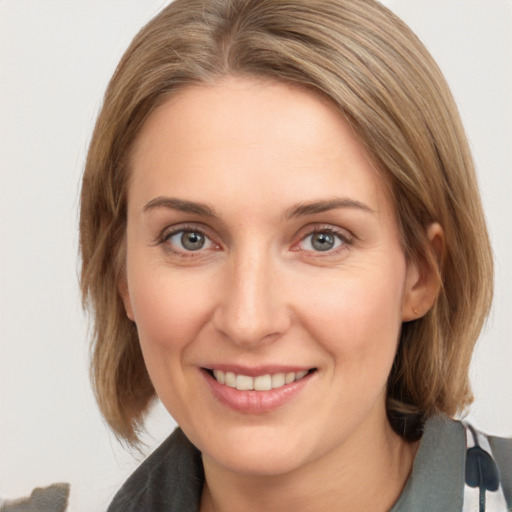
pixel 423 281
pixel 122 288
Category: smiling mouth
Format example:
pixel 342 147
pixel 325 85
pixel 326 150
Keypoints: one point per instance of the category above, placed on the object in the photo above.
pixel 265 382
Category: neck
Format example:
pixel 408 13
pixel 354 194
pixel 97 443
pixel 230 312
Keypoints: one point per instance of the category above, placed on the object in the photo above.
pixel 367 473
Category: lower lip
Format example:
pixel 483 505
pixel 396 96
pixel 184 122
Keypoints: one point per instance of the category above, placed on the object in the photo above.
pixel 255 402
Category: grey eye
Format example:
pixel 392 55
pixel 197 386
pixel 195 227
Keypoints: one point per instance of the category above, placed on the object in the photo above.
pixel 192 241
pixel 189 240
pixel 322 241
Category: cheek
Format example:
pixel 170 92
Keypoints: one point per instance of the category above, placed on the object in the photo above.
pixel 357 319
pixel 169 308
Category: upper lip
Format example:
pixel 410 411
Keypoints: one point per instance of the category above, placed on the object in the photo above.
pixel 256 371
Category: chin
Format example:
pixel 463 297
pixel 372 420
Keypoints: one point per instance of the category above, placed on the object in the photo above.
pixel 263 450
pixel 259 461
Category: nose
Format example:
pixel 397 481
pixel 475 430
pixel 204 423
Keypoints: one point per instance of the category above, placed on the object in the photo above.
pixel 252 310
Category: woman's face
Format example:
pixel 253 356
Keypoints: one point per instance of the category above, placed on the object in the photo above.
pixel 264 273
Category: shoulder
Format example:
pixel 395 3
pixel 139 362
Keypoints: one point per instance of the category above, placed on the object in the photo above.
pixel 170 479
pixel 487 468
pixel 489 464
pixel 502 451
pixel 456 467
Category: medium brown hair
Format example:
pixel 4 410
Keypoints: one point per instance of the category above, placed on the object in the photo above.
pixel 388 88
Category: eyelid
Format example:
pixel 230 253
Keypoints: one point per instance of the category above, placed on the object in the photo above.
pixel 344 235
pixel 169 231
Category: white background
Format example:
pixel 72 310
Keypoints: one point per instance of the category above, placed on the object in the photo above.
pixel 56 57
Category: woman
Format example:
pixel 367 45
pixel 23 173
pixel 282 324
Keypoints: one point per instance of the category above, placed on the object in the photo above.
pixel 282 238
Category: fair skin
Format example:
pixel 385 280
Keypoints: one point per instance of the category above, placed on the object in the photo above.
pixel 261 242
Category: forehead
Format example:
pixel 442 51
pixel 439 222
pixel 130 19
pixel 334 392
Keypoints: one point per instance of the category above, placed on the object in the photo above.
pixel 254 135
pixel 243 110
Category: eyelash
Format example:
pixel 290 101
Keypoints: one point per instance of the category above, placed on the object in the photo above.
pixel 166 235
pixel 345 238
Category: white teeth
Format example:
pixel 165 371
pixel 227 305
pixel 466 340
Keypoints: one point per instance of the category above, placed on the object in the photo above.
pixel 260 383
pixel 230 379
pixel 219 376
pixel 278 380
pixel 244 383
pixel 263 383
pixel 289 377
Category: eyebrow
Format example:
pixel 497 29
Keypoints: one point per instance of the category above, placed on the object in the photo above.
pixel 299 210
pixel 323 206
pixel 181 205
